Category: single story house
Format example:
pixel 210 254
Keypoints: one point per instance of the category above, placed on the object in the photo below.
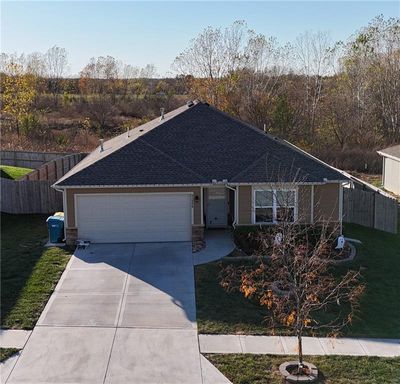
pixel 391 168
pixel 190 169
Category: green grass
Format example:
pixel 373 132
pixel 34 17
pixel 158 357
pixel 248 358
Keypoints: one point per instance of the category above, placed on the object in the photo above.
pixel 263 369
pixel 222 312
pixel 378 257
pixel 5 353
pixel 13 173
pixel 29 272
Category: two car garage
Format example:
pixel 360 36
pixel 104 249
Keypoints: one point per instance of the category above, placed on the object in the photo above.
pixel 133 217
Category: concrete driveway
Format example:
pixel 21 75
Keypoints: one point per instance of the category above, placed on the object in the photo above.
pixel 120 313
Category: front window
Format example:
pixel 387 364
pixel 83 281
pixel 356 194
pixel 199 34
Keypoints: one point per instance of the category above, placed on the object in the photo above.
pixel 274 206
pixel 264 206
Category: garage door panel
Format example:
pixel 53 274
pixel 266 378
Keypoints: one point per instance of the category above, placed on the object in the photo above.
pixel 134 217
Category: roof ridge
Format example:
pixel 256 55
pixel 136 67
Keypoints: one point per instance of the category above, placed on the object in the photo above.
pixel 174 160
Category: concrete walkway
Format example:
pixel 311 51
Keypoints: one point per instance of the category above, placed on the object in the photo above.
pixel 120 313
pixel 286 345
pixel 13 338
pixel 219 243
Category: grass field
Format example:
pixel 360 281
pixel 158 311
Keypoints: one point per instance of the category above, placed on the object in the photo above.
pixel 29 272
pixel 219 312
pixel 263 369
pixel 13 173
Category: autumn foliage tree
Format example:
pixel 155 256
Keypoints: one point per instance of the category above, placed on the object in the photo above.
pixel 297 283
pixel 18 93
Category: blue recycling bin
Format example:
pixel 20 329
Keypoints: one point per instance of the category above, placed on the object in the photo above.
pixel 55 226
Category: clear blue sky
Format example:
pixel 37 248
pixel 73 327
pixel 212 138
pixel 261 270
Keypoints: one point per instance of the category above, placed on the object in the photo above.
pixel 156 32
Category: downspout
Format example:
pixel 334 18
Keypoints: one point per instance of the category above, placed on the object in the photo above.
pixel 64 192
pixel 341 208
pixel 235 191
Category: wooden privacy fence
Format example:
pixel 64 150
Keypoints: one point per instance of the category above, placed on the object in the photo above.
pixel 33 193
pixel 370 209
pixel 29 197
pixel 55 169
pixel 28 159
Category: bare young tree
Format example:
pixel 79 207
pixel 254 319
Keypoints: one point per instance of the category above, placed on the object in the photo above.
pixel 296 282
pixel 56 67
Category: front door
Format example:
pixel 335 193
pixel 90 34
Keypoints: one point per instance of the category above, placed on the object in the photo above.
pixel 216 210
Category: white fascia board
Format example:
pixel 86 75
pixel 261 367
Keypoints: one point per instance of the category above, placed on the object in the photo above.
pixel 388 156
pixel 62 187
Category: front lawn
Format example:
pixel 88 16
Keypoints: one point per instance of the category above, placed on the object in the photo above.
pixel 13 173
pixel 29 272
pixel 219 312
pixel 379 259
pixel 263 369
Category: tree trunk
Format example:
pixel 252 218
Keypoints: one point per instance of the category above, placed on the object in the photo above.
pixel 300 347
pixel 17 126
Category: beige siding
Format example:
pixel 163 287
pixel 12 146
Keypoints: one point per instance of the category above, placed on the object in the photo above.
pixel 326 202
pixel 391 175
pixel 245 205
pixel 70 210
pixel 304 203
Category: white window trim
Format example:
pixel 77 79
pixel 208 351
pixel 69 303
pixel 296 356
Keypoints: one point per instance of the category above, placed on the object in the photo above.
pixel 274 205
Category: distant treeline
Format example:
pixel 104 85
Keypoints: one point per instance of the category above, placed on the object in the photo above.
pixel 338 100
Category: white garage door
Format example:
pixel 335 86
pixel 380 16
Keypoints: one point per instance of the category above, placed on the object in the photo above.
pixel 116 218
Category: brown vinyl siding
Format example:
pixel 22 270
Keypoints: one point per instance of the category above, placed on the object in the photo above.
pixel 245 204
pixel 326 202
pixel 72 192
pixel 304 203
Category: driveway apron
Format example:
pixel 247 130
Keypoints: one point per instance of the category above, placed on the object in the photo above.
pixel 120 313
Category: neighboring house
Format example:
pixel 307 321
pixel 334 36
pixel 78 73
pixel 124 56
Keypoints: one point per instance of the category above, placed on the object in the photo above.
pixel 391 168
pixel 194 168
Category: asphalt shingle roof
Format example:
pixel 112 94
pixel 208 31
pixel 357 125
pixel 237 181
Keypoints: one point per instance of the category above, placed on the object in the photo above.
pixel 194 145
pixel 391 151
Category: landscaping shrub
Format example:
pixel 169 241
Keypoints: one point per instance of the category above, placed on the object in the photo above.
pixel 247 239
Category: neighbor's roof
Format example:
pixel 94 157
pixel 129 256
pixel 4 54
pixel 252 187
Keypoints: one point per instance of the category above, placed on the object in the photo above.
pixel 195 145
pixel 391 151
